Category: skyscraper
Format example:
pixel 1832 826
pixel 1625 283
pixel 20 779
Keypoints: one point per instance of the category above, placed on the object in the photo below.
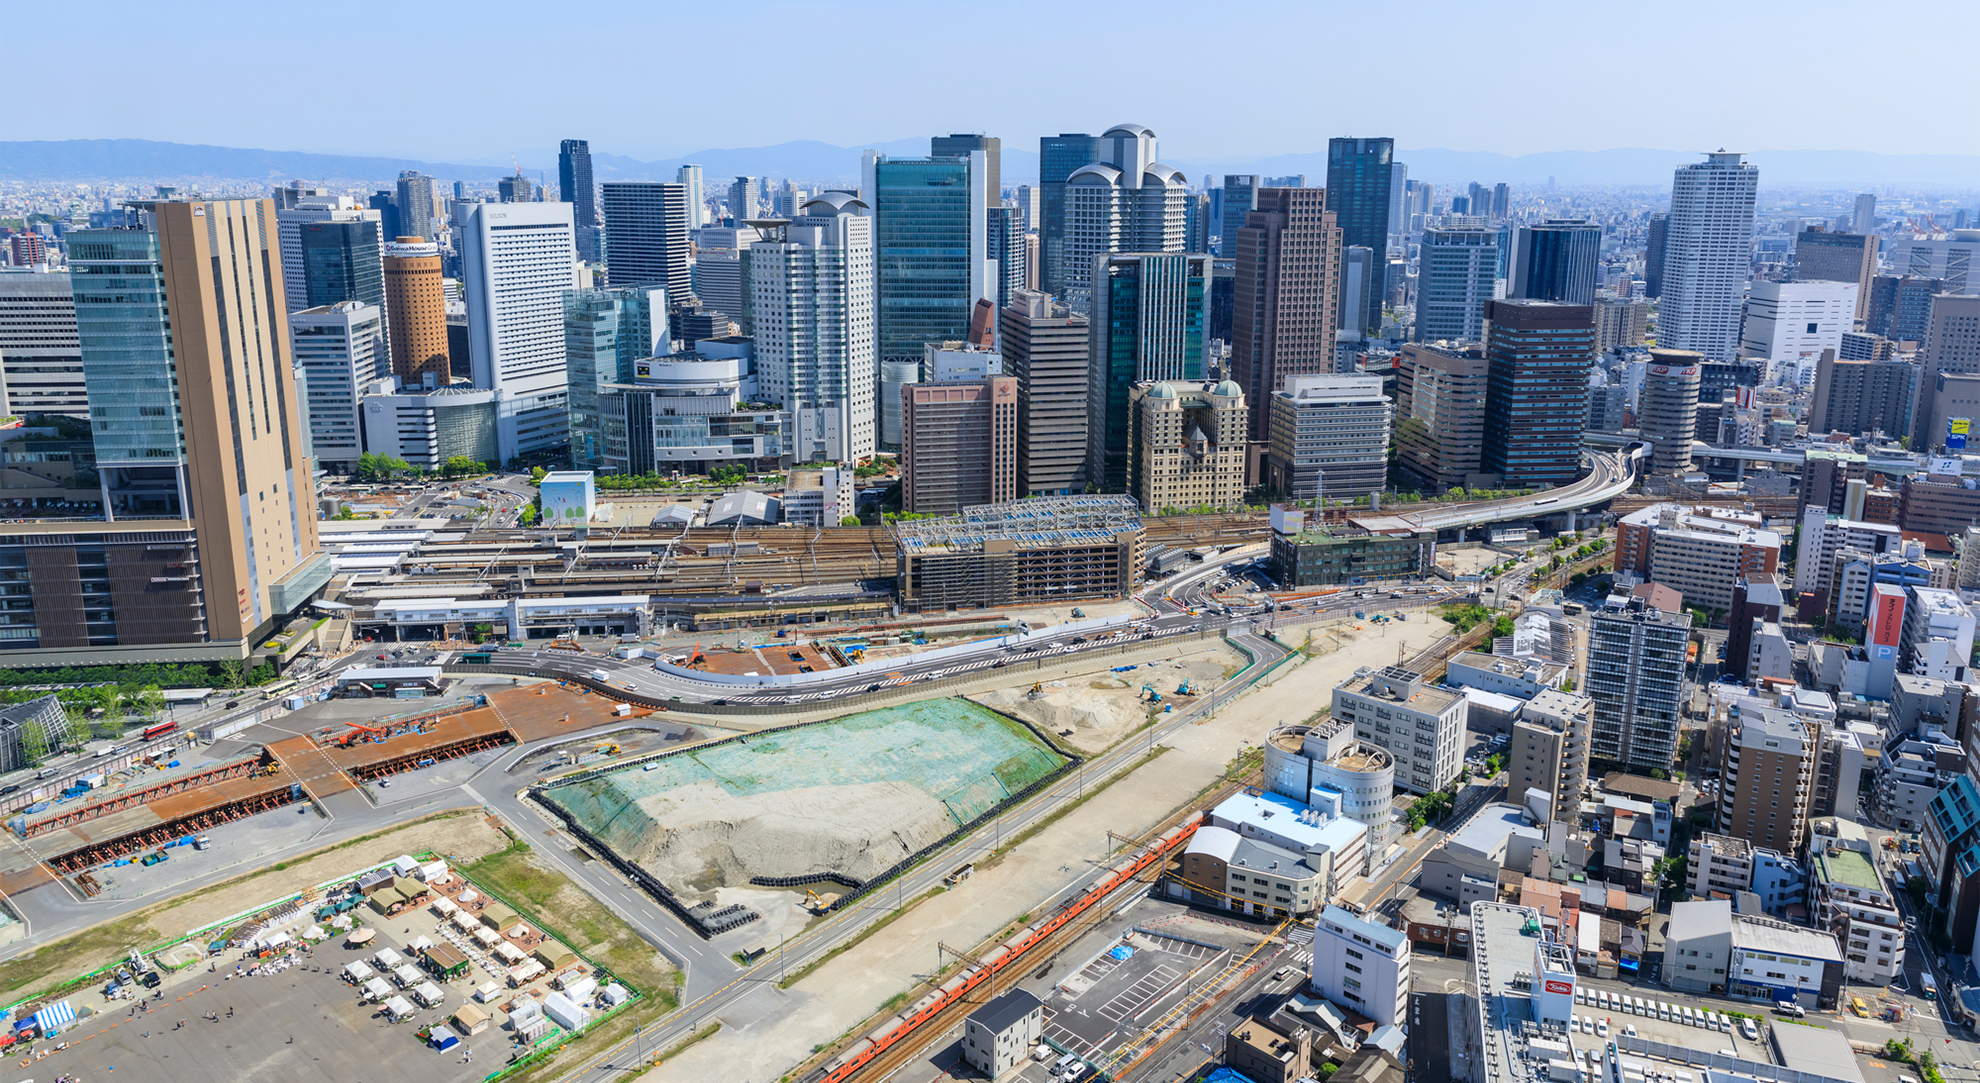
pixel 341 262
pixel 1653 254
pixel 646 236
pixel 1150 312
pixel 697 199
pixel 1440 424
pixel 1359 176
pixel 1125 201
pixel 1398 204
pixel 960 146
pixel 1501 201
pixel 1821 256
pixel 339 348
pixel 574 185
pixel 1707 255
pixel 958 444
pixel 1196 223
pixel 417 206
pixel 1865 218
pixel 812 297
pixel 1951 347
pixel 519 259
pixel 516 188
pixel 199 423
pixel 1045 351
pixel 745 199
pixel 1458 273
pixel 1901 306
pixel 1004 234
pixel 416 314
pixel 1058 156
pixel 605 331
pixel 298 207
pixel 1287 261
pixel 1556 261
pixel 1329 435
pixel 43 361
pixel 1636 678
pixel 1239 197
pixel 1667 409
pixel 1535 404
pixel 930 248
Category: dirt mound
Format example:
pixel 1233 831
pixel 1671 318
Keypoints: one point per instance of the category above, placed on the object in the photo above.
pixel 713 838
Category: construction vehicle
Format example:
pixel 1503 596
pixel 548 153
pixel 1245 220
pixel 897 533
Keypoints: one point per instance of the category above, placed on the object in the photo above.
pixel 607 748
pixel 1149 695
pixel 1037 689
pixel 1185 689
pixel 817 903
pixel 697 658
pixel 567 644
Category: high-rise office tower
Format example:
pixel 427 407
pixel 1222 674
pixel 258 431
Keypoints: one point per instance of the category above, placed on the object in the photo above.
pixel 1655 237
pixel 1329 436
pixel 1556 261
pixel 42 361
pixel 343 249
pixel 1458 273
pixel 646 236
pixel 689 176
pixel 1858 397
pixel 1900 306
pixel 387 206
pixel 1359 175
pixel 788 201
pixel 575 186
pixel 1240 195
pixel 1949 258
pixel 1398 204
pixel 1045 351
pixel 1354 273
pixel 1821 256
pixel 416 313
pixel 1620 323
pixel 1287 263
pixel 930 248
pixel 516 188
pixel 1501 201
pixel 960 146
pixel 745 199
pixel 196 418
pixel 1149 318
pixel 1707 255
pixel 812 292
pixel 1865 219
pixel 1478 199
pixel 1124 202
pixel 1440 424
pixel 1951 347
pixel 605 331
pixel 1196 223
pixel 1058 156
pixel 1536 403
pixel 1027 201
pixel 338 348
pixel 519 259
pixel 574 181
pixel 1004 237
pixel 958 444
pixel 418 208
pixel 1636 678
pixel 1667 409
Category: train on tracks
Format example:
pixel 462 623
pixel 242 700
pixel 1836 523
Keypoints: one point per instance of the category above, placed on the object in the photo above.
pixel 896 1028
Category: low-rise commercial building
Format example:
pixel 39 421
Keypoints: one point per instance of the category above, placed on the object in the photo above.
pixel 693 412
pixel 1722 866
pixel 1465 867
pixel 1710 949
pixel 1000 1035
pixel 1361 966
pixel 1342 554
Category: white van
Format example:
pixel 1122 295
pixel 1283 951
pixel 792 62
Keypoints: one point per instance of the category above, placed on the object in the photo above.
pixel 1664 1011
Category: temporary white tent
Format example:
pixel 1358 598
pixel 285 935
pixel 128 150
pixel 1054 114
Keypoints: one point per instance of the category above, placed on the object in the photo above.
pixel 377 989
pixel 359 971
pixel 429 994
pixel 399 1008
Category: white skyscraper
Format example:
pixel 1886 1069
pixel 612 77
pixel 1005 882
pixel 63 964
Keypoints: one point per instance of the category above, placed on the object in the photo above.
pixel 1791 323
pixel 1949 258
pixel 1865 219
pixel 338 349
pixel 518 259
pixel 697 201
pixel 1707 255
pixel 290 216
pixel 816 350
pixel 1126 202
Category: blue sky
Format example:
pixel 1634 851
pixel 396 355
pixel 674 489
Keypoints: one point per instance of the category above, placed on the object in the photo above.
pixel 468 83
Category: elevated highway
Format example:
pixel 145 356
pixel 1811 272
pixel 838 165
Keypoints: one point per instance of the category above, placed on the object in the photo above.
pixel 1610 476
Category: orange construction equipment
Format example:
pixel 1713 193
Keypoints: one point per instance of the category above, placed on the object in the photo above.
pixel 566 643
pixel 697 658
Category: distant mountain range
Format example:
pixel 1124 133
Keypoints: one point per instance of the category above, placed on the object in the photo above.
pixel 809 160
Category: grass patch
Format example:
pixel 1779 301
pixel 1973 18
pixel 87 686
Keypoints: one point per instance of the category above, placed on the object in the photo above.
pixel 898 1000
pixel 884 921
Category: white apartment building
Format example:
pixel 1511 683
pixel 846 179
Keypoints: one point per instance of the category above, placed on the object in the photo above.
pixel 1362 966
pixel 1937 638
pixel 816 345
pixel 1824 535
pixel 1950 258
pixel 518 259
pixel 1422 727
pixel 1707 255
pixel 1853 902
pixel 1728 865
pixel 338 349
pixel 1789 324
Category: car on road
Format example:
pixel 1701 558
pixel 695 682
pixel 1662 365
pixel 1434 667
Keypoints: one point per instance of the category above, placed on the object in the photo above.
pixel 5 790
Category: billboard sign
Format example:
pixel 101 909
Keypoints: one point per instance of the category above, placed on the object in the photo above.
pixel 1564 988
pixel 1942 465
pixel 1886 615
pixel 1957 430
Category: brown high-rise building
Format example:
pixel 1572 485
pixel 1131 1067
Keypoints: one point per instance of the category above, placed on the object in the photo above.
pixel 1045 350
pixel 958 444
pixel 1821 256
pixel 416 312
pixel 1440 431
pixel 1286 296
pixel 1768 779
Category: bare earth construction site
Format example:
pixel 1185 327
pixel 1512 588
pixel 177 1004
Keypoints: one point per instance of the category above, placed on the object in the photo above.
pixel 771 807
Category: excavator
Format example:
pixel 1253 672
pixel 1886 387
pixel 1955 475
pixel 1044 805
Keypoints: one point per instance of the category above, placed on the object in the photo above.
pixel 1149 695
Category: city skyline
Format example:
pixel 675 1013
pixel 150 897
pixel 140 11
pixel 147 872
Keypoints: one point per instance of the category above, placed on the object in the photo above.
pixel 1366 97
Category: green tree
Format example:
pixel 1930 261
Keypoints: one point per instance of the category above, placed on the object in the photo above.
pixel 230 673
pixel 34 744
pixel 728 475
pixel 459 466
pixel 528 515
pixel 850 520
pixel 536 474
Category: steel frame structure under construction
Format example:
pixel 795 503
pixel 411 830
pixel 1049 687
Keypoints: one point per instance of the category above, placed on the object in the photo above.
pixel 1046 549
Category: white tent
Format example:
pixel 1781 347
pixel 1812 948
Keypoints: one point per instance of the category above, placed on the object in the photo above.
pixel 444 906
pixel 614 994
pixel 467 896
pixel 429 994
pixel 520 931
pixel 399 1008
pixel 419 943
pixel 565 1012
pixel 407 975
pixel 509 953
pixel 388 958
pixel 359 971
pixel 377 989
pixel 487 936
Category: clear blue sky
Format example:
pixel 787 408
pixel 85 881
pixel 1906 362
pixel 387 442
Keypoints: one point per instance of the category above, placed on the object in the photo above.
pixel 469 82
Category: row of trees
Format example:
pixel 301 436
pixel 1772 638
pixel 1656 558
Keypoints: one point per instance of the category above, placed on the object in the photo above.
pixel 374 467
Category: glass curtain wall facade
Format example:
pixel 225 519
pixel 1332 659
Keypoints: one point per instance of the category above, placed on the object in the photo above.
pixel 126 343
pixel 1359 175
pixel 922 214
pixel 1058 156
pixel 341 263
pixel 1150 317
pixel 605 331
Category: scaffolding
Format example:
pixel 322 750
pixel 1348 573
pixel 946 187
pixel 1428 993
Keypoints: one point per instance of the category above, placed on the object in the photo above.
pixel 1047 550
